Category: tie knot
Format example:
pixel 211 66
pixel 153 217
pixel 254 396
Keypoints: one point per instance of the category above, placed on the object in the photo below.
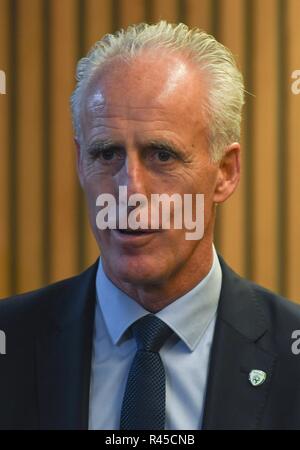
pixel 150 333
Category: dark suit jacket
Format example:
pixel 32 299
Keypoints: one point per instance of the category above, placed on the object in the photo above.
pixel 45 374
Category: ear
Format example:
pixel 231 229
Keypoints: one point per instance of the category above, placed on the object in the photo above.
pixel 228 173
pixel 79 161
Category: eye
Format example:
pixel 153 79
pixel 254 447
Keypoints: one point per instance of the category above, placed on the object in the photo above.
pixel 108 154
pixel 164 155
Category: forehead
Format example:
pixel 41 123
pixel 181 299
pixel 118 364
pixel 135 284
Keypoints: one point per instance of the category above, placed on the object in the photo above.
pixel 152 86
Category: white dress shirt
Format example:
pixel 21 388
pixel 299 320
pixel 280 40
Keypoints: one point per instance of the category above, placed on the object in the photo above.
pixel 185 355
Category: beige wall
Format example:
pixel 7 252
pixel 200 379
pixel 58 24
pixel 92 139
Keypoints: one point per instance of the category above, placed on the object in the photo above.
pixel 44 234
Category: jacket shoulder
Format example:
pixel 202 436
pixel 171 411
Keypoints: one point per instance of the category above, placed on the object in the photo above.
pixel 35 306
pixel 255 311
pixel 279 309
pixel 274 306
pixel 283 318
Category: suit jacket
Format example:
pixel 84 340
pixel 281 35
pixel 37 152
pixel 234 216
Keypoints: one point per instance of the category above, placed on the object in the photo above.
pixel 45 373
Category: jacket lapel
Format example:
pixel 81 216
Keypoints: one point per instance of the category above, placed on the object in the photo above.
pixel 64 352
pixel 232 402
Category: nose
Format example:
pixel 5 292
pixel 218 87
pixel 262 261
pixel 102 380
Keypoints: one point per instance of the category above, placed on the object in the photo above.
pixel 133 174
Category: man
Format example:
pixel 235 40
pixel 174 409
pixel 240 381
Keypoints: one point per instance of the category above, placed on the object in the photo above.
pixel 159 333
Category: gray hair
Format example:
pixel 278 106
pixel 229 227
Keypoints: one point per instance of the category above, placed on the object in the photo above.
pixel 226 92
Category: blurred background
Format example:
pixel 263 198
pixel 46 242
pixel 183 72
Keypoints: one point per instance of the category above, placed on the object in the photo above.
pixel 44 233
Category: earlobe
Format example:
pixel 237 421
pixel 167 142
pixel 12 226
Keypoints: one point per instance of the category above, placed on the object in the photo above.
pixel 219 190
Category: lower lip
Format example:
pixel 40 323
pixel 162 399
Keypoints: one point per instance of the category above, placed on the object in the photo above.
pixel 134 238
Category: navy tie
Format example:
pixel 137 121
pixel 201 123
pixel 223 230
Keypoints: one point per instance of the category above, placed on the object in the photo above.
pixel 144 400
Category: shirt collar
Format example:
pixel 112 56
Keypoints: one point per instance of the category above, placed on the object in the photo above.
pixel 188 316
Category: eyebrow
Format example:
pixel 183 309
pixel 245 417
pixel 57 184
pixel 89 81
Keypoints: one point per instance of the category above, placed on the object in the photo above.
pixel 161 144
pixel 165 144
pixel 100 145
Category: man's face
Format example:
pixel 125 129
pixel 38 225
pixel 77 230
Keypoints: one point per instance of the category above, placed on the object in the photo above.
pixel 149 115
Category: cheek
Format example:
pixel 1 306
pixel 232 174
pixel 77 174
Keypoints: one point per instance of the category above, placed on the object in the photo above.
pixel 95 183
pixel 93 187
pixel 202 181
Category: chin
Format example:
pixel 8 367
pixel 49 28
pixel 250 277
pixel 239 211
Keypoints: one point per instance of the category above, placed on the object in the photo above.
pixel 142 269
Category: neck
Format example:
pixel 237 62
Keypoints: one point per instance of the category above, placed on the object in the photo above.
pixel 154 297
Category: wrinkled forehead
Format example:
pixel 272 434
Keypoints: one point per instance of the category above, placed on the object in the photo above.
pixel 152 80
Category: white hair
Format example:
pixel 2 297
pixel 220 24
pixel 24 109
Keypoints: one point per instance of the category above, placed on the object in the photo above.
pixel 226 91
